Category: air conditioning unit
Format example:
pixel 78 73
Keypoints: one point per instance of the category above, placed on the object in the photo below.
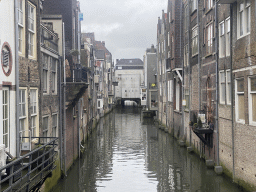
pixel 2 158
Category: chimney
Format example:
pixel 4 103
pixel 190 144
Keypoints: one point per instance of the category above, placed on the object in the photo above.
pixel 117 61
pixel 103 43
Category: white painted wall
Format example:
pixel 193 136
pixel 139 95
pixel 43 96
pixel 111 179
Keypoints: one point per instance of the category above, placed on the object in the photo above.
pixel 7 35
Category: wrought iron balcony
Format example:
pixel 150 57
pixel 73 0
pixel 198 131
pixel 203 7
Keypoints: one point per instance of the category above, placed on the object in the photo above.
pixel 49 39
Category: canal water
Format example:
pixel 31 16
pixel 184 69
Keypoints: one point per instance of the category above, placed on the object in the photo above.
pixel 128 154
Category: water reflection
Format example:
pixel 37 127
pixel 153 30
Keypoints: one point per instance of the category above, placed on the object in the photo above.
pixel 127 153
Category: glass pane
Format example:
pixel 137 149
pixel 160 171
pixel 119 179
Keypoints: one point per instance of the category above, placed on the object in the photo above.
pixel 222 77
pixel 254 107
pixel 240 85
pixel 241 107
pixel 228 77
pixel 229 93
pixel 253 84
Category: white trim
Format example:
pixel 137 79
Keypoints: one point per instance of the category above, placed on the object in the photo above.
pixel 244 69
pixel 251 122
pixel 236 104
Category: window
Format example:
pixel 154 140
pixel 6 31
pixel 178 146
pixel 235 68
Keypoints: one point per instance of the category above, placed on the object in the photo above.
pixel 20 24
pixel 195 41
pixel 168 38
pixel 22 111
pixel 252 100
pixel 54 75
pixel 6 117
pixel 244 18
pixel 228 87
pixel 6 57
pixel 240 116
pixel 45 61
pixel 186 18
pixel 45 128
pixel 173 48
pixel 222 39
pixel 222 87
pixel 177 96
pixel 31 29
pixel 193 5
pixel 54 125
pixel 228 37
pixel 187 98
pixel 186 56
pixel 209 38
pixel 209 4
pixel 33 111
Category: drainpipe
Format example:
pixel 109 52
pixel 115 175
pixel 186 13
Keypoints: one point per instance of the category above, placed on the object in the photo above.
pixel 217 81
pixel 182 61
pixel 64 98
pixel 60 111
pixel 17 77
pixel 232 89
pixel 189 76
pixel 78 126
pixel 199 68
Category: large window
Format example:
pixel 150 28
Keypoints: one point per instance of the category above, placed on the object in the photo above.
pixel 45 128
pixel 177 95
pixel 222 87
pixel 186 93
pixel 33 111
pixel 209 38
pixel 240 116
pixel 170 90
pixel 31 29
pixel 209 4
pixel 45 60
pixel 54 75
pixel 244 18
pixel 20 25
pixel 193 5
pixel 186 56
pixel 6 119
pixel 22 111
pixel 224 38
pixel 195 40
pixel 54 125
pixel 225 87
pixel 252 100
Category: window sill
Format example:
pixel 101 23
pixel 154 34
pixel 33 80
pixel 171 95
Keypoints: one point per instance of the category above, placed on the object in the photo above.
pixel 208 11
pixel 193 12
pixel 194 55
pixel 241 121
pixel 208 55
pixel 240 37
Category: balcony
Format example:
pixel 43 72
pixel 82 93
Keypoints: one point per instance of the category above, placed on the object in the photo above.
pixel 29 172
pixel 78 74
pixel 114 81
pixel 96 79
pixel 49 39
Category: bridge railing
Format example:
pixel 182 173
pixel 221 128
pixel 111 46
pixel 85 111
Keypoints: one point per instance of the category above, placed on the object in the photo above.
pixel 31 170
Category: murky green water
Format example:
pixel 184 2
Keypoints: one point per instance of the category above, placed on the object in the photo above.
pixel 127 154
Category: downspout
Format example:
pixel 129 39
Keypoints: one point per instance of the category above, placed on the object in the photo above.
pixel 189 76
pixel 217 81
pixel 232 89
pixel 17 77
pixel 182 62
pixel 199 69
pixel 60 111
pixel 64 99
pixel 78 126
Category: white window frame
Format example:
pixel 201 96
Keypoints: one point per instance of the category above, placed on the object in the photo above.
pixel 20 25
pixel 243 18
pixel 228 84
pixel 45 127
pixel 227 36
pixel 54 65
pixel 23 107
pixel 236 100
pixel 46 63
pixel 250 103
pixel 31 29
pixel 222 39
pixel 54 125
pixel 34 111
pixel 177 95
pixel 209 38
pixel 222 88
pixel 6 116
pixel 194 39
pixel 193 5
pixel 209 4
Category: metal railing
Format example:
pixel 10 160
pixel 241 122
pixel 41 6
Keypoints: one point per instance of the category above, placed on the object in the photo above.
pixel 29 172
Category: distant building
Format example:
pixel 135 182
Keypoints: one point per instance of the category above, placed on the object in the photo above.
pixel 130 77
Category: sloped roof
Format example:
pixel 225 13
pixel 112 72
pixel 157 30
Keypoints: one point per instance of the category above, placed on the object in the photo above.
pixel 130 62
pixel 100 54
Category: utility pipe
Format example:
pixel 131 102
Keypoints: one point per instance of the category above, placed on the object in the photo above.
pixel 64 99
pixel 232 89
pixel 217 80
pixel 17 84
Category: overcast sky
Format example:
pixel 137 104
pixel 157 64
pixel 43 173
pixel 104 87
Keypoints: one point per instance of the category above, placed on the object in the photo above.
pixel 128 27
